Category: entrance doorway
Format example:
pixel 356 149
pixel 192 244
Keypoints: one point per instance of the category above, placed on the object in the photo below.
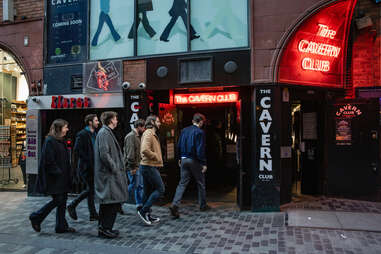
pixel 307 133
pixel 222 131
pixel 13 94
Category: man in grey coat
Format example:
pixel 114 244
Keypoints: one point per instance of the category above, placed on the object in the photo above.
pixel 109 175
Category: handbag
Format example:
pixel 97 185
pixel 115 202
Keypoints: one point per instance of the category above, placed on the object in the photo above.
pixel 145 5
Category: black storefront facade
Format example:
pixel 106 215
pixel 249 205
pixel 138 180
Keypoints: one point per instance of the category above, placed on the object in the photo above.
pixel 144 74
pixel 269 141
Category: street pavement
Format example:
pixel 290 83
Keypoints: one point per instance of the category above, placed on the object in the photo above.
pixel 222 230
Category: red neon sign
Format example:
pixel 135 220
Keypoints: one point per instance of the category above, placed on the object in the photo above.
pixel 202 98
pixel 315 53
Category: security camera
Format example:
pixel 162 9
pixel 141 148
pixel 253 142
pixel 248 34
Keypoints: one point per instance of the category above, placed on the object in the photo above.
pixel 142 86
pixel 35 99
pixel 126 85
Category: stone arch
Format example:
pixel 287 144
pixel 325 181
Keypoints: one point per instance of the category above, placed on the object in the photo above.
pixel 19 60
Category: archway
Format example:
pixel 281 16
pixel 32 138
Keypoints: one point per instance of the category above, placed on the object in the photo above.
pixel 14 91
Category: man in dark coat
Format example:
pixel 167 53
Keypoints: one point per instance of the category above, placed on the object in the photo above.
pixel 84 149
pixel 109 175
pixel 192 161
pixel 178 10
pixel 54 177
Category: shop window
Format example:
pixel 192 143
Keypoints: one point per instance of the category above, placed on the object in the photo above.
pixel 110 22
pixel 13 93
pixel 162 26
pixel 219 23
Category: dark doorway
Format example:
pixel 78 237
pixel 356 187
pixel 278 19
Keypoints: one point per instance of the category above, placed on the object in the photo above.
pixel 222 132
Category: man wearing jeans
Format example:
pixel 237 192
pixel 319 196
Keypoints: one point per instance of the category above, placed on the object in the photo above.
pixel 191 149
pixel 132 161
pixel 151 159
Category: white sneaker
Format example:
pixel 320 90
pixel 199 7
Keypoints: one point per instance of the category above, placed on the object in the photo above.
pixel 144 217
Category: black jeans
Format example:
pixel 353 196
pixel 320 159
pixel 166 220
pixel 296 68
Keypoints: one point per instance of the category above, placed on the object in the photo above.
pixel 172 22
pixel 107 215
pixel 87 178
pixel 150 31
pixel 59 201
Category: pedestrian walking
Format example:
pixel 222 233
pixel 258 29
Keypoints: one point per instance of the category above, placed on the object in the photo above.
pixel 191 149
pixel 54 177
pixel 84 149
pixel 109 175
pixel 151 160
pixel 132 161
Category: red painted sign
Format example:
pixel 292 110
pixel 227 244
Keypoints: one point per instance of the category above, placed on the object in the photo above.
pixel 348 111
pixel 315 53
pixel 205 98
pixel 62 102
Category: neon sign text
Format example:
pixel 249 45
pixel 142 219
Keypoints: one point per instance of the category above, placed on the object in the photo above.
pixel 348 111
pixel 315 64
pixel 199 98
pixel 318 48
pixel 324 31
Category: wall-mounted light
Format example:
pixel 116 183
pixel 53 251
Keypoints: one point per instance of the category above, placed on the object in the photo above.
pixel 26 40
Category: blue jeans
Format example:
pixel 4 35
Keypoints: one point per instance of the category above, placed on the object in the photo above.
pixel 153 186
pixel 59 201
pixel 136 186
pixel 103 17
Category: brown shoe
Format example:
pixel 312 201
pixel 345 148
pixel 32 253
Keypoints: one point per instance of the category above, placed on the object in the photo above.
pixel 174 211
pixel 36 226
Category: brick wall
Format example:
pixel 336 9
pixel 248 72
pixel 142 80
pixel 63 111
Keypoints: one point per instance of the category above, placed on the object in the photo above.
pixel 29 9
pixel 134 71
pixel 271 20
pixel 366 59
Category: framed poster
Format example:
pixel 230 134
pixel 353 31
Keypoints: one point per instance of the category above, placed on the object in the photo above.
pixel 102 77
pixel 66 31
pixel 343 132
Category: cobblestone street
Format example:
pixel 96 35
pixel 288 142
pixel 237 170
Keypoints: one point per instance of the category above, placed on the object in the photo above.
pixel 222 230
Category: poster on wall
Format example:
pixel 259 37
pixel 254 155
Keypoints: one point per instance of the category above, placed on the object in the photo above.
pixel 32 141
pixel 110 22
pixel 66 31
pixel 343 132
pixel 102 77
pixel 310 126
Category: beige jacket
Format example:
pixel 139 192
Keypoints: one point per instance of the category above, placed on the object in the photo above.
pixel 150 149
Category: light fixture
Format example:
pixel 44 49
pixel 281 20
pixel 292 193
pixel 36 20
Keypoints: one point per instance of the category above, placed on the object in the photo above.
pixel 26 40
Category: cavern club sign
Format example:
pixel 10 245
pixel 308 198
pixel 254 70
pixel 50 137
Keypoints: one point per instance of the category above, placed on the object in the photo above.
pixel 206 98
pixel 315 54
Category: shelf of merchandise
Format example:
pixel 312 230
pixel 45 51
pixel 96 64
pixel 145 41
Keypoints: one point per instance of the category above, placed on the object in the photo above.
pixel 5 144
pixel 18 112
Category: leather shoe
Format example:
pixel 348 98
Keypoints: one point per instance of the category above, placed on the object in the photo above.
pixel 36 226
pixel 165 40
pixel 106 233
pixel 194 37
pixel 174 211
pixel 72 212
pixel 67 230
pixel 116 232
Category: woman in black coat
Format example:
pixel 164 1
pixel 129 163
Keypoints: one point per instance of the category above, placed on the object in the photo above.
pixel 54 177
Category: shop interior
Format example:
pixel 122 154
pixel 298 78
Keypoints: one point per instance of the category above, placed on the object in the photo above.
pixel 13 94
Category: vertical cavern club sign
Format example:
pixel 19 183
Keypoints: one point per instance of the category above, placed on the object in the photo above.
pixel 315 53
pixel 264 127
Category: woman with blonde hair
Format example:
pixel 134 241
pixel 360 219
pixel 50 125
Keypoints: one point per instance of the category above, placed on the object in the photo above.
pixel 54 177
